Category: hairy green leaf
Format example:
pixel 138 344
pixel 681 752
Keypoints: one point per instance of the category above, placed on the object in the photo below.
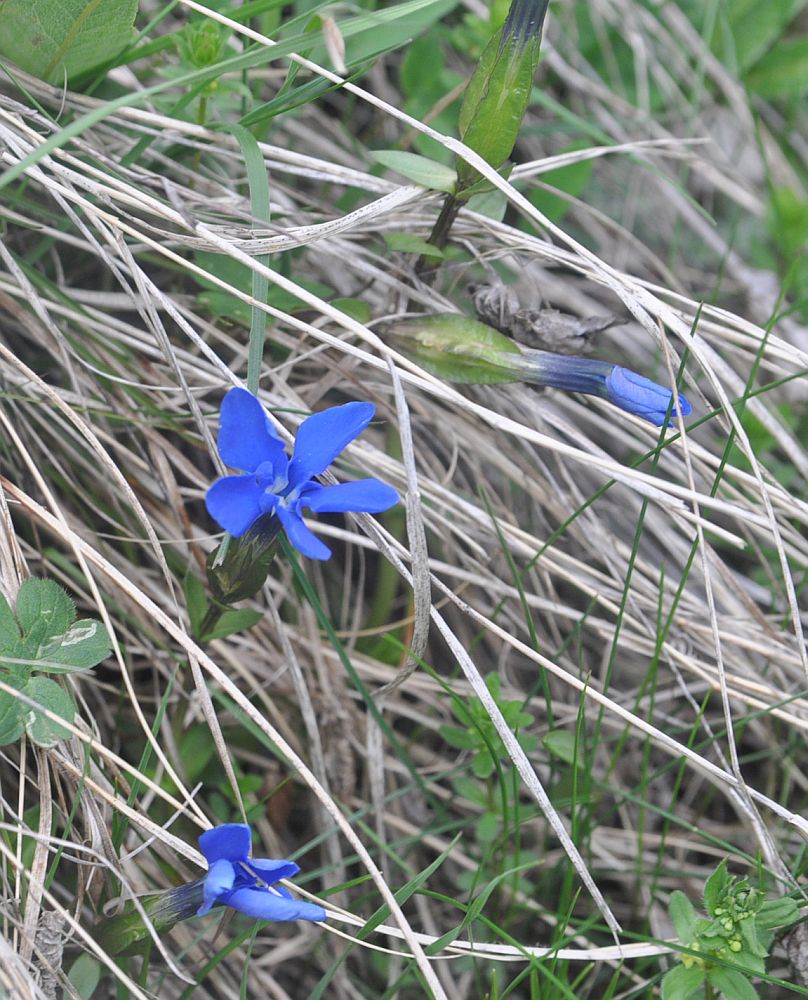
pixel 44 610
pixel 682 982
pixel 43 731
pixel 82 646
pixel 11 712
pixel 734 985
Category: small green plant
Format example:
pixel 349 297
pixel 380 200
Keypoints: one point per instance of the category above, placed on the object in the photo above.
pixel 479 735
pixel 42 635
pixel 739 929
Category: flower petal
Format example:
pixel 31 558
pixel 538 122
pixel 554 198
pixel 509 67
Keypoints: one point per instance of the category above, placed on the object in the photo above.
pixel 246 437
pixel 322 437
pixel 638 394
pixel 267 905
pixel 218 882
pixel 272 871
pixel 230 841
pixel 368 495
pixel 234 502
pixel 300 536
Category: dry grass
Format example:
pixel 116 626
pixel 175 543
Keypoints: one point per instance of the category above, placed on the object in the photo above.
pixel 640 588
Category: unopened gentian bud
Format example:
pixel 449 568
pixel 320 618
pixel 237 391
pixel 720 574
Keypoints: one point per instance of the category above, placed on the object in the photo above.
pixel 460 349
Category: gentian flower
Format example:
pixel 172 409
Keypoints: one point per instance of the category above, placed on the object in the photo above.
pixel 248 884
pixel 281 486
pixel 460 349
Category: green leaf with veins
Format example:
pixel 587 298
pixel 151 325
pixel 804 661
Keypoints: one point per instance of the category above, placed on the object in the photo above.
pixel 58 39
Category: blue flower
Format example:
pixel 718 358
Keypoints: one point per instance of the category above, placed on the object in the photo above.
pixel 248 884
pixel 281 486
pixel 640 395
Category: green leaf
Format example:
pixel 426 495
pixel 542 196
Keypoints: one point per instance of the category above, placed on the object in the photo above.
pixel 783 72
pixel 195 600
pixel 44 610
pixel 684 917
pixel 428 173
pixel 498 93
pixel 11 712
pixel 408 243
pixel 232 621
pixel 460 739
pixel 756 27
pixel 488 827
pixel 50 695
pixel 681 982
pixel 715 886
pixel 85 975
pixel 56 38
pixel 483 765
pixel 777 912
pixel 561 743
pixel 85 644
pixel 734 985
pixel 9 630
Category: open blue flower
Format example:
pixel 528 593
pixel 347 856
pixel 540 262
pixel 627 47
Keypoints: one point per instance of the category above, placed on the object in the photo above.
pixel 281 486
pixel 248 884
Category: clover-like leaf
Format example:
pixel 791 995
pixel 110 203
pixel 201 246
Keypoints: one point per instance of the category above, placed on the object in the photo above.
pixel 83 645
pixel 11 712
pixel 9 630
pixel 43 731
pixel 44 610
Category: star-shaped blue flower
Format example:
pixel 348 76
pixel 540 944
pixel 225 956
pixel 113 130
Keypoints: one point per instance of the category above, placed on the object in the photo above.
pixel 248 884
pixel 281 486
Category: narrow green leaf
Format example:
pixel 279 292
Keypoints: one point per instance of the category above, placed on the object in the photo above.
pixel 232 621
pixel 196 601
pixel 428 173
pixel 50 695
pixel 783 72
pixel 409 243
pixel 499 91
pixel 54 39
